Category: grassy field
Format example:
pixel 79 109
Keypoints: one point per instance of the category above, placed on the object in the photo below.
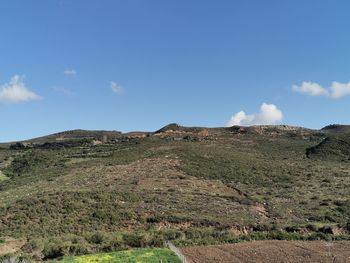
pixel 190 186
pixel 128 256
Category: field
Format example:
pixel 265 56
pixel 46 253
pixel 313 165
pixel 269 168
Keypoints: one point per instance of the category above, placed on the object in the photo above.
pixel 271 252
pixel 74 193
pixel 129 256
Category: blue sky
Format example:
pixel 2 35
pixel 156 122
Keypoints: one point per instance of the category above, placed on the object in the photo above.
pixel 138 65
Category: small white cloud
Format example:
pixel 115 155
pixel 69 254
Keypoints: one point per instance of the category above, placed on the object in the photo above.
pixel 70 72
pixel 16 91
pixel 310 88
pixel 335 91
pixel 269 114
pixel 339 90
pixel 116 88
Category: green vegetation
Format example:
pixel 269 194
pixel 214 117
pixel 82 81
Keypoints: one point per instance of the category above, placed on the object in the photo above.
pixel 129 256
pixel 336 147
pixel 191 186
pixel 3 177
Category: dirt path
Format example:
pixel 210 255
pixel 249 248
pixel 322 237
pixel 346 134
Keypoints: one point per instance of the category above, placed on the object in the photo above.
pixel 271 251
pixel 177 251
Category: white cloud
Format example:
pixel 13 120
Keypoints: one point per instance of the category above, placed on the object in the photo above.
pixel 269 114
pixel 70 72
pixel 339 90
pixel 310 88
pixel 116 88
pixel 335 91
pixel 16 91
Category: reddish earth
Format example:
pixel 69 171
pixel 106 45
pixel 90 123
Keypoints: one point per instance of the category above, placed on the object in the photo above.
pixel 270 252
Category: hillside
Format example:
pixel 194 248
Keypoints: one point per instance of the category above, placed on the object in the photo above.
pixel 336 129
pixel 78 135
pixel 332 147
pixel 188 185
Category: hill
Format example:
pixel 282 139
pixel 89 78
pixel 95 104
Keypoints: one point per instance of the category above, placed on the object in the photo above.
pixel 332 147
pixel 336 129
pixel 188 185
pixel 78 135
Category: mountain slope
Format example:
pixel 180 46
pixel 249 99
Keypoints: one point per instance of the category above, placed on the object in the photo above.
pixel 188 185
pixel 332 147
pixel 336 129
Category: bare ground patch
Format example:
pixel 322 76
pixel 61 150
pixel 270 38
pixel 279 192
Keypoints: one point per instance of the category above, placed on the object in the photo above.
pixel 270 252
pixel 11 246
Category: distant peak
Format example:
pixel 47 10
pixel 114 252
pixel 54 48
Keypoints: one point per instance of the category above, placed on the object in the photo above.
pixel 170 127
pixel 336 128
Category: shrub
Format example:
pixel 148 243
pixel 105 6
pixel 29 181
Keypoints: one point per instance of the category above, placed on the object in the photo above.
pixel 319 236
pixel 52 251
pixel 79 249
pixel 292 229
pixel 96 238
pixel 327 230
pixel 112 243
pixel 312 227
pixel 157 240
pixel 132 239
pixel 172 234
pixel 348 226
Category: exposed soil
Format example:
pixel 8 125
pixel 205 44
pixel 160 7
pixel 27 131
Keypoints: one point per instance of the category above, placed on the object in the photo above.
pixel 11 246
pixel 271 251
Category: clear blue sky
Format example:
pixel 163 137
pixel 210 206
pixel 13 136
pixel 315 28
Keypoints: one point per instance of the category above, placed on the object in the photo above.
pixel 194 62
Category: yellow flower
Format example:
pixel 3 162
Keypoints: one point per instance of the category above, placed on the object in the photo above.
pixel 107 257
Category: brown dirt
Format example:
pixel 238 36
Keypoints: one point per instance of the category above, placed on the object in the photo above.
pixel 270 252
pixel 261 210
pixel 11 246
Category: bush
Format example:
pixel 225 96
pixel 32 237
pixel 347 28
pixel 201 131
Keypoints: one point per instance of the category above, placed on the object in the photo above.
pixel 96 238
pixel 79 249
pixel 132 240
pixel 348 226
pixel 53 251
pixel 327 230
pixel 319 236
pixel 157 240
pixel 172 234
pixel 312 227
pixel 113 243
pixel 292 229
pixel 35 248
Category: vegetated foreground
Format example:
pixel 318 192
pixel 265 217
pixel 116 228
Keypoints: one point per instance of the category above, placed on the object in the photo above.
pixel 82 192
pixel 271 252
pixel 131 256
